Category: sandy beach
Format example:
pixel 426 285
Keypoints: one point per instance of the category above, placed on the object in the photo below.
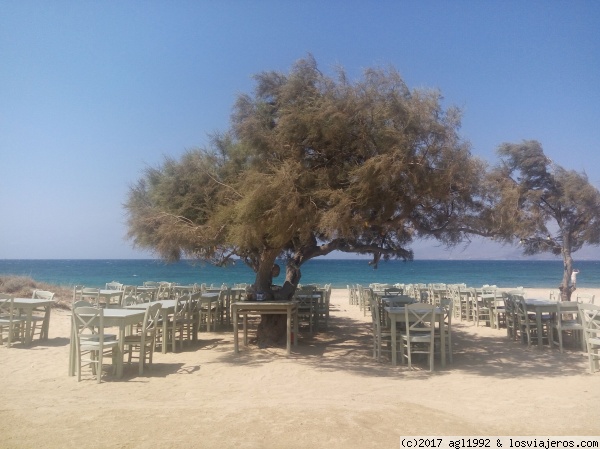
pixel 329 393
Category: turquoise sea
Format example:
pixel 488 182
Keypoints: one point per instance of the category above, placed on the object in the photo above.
pixel 503 273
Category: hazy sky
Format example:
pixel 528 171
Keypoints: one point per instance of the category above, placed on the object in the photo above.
pixel 91 92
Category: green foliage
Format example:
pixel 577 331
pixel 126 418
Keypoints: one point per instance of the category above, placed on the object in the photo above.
pixel 314 164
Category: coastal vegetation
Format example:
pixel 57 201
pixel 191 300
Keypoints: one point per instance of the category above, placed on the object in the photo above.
pixel 23 287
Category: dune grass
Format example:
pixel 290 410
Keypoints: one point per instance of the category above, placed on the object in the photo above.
pixel 23 287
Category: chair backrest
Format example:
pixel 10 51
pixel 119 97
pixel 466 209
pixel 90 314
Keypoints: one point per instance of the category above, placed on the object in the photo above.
pixel 419 315
pixel 377 315
pixel 585 297
pixel 42 294
pixel 90 294
pixel 151 284
pixel 129 290
pixel 144 297
pixel 88 321
pixel 77 292
pixel 151 318
pixel 114 285
pixel 82 303
pixel 164 291
pixel 447 304
pixel 566 311
pixel 393 291
pixel 182 307
pixel 129 301
pixel 590 319
pixel 6 306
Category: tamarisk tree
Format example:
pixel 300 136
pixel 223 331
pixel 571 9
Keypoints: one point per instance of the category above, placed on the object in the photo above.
pixel 312 164
pixel 542 206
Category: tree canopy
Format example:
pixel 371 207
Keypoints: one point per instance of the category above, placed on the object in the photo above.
pixel 312 164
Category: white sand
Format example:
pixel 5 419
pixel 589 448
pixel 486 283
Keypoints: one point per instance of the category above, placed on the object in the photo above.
pixel 329 393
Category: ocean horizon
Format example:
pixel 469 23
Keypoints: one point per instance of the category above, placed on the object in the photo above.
pixel 338 272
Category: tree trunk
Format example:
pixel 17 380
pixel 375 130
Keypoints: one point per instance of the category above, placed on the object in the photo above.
pixel 272 328
pixel 566 289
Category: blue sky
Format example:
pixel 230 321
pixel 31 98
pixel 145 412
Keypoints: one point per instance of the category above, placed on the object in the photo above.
pixel 91 93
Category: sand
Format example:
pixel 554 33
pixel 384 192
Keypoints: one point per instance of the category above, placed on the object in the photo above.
pixel 329 393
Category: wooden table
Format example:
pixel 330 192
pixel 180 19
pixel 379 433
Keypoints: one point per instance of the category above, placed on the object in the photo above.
pixel 121 318
pixel 397 315
pixel 28 305
pixel 244 308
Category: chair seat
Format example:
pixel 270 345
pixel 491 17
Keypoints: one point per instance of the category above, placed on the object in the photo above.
pixel 571 324
pixel 418 338
pixel 107 337
pixel 14 320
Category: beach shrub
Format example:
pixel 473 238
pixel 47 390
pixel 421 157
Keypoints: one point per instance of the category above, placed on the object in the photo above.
pixel 23 287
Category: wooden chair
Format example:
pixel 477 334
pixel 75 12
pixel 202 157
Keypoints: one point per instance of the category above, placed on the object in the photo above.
pixel 590 319
pixel 446 304
pixel 480 309
pixel 419 337
pixel 322 307
pixel 510 313
pixel 307 305
pixel 12 326
pixel 565 321
pixel 382 335
pixel 144 340
pixel 528 324
pixel 176 324
pixel 91 344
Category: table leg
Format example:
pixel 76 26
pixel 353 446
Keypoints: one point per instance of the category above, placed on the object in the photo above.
pixel 289 332
pixel 121 348
pixel 245 327
pixel 28 326
pixel 296 326
pixel 72 350
pixel 235 331
pixel 165 329
pixel 443 340
pixel 538 319
pixel 208 315
pixel 46 324
pixel 394 352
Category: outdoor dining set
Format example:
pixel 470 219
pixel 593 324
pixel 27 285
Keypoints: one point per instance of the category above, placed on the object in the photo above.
pixel 123 321
pixel 419 317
